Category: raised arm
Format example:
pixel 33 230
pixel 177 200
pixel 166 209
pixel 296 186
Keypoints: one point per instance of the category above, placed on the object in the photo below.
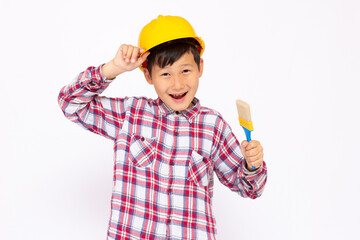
pixel 80 100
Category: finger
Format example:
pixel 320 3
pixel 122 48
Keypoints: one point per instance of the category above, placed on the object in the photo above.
pixel 244 144
pixel 252 144
pixel 256 164
pixel 254 161
pixel 124 49
pixel 135 54
pixel 129 53
pixel 253 152
pixel 255 158
pixel 250 166
pixel 119 57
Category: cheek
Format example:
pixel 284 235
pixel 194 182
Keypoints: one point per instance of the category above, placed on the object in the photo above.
pixel 195 84
pixel 160 87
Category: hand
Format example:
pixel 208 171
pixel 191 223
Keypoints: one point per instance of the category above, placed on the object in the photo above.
pixel 253 153
pixel 126 59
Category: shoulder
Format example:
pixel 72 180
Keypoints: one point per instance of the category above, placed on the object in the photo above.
pixel 213 122
pixel 212 117
pixel 140 105
pixel 134 101
pixel 210 114
pixel 127 102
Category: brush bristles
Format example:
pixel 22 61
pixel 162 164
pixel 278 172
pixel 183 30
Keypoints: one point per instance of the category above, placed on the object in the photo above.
pixel 243 110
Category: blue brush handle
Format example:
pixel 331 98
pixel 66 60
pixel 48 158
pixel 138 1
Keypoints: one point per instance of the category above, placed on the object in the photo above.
pixel 247 133
pixel 248 138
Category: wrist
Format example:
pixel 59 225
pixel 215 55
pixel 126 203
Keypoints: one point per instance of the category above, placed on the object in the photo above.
pixel 110 70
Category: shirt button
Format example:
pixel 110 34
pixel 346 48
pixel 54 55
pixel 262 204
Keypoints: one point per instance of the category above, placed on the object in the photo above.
pixel 142 139
pixel 169 191
pixel 176 133
pixel 168 221
pixel 172 163
pixel 177 112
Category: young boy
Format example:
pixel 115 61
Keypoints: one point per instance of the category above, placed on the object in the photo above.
pixel 166 150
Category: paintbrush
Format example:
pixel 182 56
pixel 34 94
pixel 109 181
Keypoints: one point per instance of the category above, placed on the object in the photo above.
pixel 245 119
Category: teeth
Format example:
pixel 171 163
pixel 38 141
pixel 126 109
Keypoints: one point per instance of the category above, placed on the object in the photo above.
pixel 178 95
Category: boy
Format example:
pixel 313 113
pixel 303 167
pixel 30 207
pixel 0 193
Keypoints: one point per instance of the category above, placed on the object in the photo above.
pixel 166 150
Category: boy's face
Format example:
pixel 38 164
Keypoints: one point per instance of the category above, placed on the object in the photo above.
pixel 176 85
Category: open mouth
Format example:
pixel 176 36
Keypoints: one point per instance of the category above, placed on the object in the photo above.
pixel 178 96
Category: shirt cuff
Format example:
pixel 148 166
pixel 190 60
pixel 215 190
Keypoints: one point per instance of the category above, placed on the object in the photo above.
pixel 95 79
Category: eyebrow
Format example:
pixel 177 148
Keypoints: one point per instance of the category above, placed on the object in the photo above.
pixel 182 65
pixel 186 65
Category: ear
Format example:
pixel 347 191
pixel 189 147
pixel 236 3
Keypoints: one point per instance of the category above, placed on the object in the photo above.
pixel 147 76
pixel 201 67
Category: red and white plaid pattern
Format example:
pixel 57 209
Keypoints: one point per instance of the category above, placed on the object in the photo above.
pixel 164 161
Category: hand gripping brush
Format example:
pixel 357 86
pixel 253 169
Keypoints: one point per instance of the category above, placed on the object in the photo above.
pixel 245 119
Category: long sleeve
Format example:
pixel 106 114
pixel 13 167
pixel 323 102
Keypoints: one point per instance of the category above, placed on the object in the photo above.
pixel 81 104
pixel 231 171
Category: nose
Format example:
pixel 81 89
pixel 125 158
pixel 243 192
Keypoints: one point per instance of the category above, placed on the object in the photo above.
pixel 178 83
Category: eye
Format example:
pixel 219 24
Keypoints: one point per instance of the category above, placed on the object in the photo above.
pixel 186 70
pixel 165 74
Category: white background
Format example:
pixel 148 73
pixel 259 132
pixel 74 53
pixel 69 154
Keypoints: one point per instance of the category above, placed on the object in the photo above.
pixel 296 62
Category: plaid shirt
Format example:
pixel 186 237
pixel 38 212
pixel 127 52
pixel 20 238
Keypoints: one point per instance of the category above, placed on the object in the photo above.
pixel 164 160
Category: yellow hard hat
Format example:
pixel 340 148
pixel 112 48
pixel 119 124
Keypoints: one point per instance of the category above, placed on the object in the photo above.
pixel 164 29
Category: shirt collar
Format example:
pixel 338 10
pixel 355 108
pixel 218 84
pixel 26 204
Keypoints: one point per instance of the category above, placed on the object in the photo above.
pixel 189 113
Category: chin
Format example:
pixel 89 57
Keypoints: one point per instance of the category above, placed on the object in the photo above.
pixel 178 107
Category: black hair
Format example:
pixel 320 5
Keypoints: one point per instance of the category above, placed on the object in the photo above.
pixel 169 52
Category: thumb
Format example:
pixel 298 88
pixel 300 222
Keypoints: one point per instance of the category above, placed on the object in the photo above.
pixel 143 58
pixel 244 144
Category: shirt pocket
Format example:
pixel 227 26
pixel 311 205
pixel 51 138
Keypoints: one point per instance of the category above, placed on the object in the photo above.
pixel 199 170
pixel 142 150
